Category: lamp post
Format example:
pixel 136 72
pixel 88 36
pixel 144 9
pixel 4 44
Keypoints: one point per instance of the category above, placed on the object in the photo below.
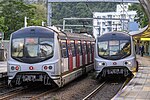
pixel 25 21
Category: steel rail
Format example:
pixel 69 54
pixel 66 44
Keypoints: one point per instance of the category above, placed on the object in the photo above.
pixel 43 94
pixel 94 92
pixel 3 85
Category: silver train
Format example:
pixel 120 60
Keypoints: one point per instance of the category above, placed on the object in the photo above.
pixel 48 55
pixel 115 54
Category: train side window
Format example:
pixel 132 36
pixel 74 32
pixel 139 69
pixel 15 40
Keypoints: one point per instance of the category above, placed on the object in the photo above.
pixel 88 47
pixel 72 45
pixel 79 48
pixel 85 48
pixel 92 47
pixel 64 50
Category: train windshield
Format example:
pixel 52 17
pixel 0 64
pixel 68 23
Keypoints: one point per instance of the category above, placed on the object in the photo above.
pixel 114 49
pixel 32 50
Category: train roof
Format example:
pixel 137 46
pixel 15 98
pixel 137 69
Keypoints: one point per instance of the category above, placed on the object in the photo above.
pixel 49 31
pixel 67 35
pixel 114 35
pixel 31 31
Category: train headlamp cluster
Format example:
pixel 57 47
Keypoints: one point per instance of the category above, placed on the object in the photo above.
pixel 101 64
pixel 14 67
pixel 47 67
pixel 128 63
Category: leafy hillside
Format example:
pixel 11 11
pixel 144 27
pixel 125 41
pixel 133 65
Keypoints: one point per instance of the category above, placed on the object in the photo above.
pixel 13 13
pixel 80 10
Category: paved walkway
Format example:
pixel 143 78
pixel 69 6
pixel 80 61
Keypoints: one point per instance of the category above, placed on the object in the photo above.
pixel 139 87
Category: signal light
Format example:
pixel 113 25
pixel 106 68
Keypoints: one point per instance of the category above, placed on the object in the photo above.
pixel 31 68
pixel 17 67
pixel 114 63
pixel 45 67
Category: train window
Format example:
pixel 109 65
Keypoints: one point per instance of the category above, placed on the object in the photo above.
pixel 103 48
pixel 79 48
pixel 125 47
pixel 84 48
pixel 17 47
pixel 73 48
pixel 32 50
pixel 31 47
pixel 88 48
pixel 115 49
pixel 46 47
pixel 92 47
pixel 64 50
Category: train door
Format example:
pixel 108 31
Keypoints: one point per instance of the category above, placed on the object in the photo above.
pixel 70 57
pixel 92 50
pixel 83 53
pixel 85 50
pixel 77 54
pixel 90 46
pixel 80 52
pixel 64 54
pixel 72 45
pixel 88 52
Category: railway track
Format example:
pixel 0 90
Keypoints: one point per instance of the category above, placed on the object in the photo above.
pixel 28 92
pixel 94 92
pixel 7 93
pixel 107 90
pixel 41 95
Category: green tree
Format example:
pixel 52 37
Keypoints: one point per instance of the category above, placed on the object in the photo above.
pixel 142 19
pixel 13 12
pixel 39 16
pixel 3 28
pixel 80 10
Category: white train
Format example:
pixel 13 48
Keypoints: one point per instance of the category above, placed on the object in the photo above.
pixel 48 55
pixel 115 54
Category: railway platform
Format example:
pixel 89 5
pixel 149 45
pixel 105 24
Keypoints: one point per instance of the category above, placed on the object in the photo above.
pixel 3 69
pixel 139 87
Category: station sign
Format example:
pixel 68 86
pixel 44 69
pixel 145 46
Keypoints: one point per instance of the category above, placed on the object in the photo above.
pixel 124 1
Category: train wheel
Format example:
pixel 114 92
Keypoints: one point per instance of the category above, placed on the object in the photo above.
pixel 137 66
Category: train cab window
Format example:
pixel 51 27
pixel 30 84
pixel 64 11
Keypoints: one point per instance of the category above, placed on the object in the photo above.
pixel 114 49
pixel 103 48
pixel 31 49
pixel 64 50
pixel 125 47
pixel 46 47
pixel 17 47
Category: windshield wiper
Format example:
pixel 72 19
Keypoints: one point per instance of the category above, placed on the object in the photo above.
pixel 19 52
pixel 19 59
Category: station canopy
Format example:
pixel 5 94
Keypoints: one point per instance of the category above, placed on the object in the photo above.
pixel 143 34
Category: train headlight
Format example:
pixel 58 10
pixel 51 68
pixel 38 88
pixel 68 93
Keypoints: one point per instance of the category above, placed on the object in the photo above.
pixel 128 63
pixel 14 68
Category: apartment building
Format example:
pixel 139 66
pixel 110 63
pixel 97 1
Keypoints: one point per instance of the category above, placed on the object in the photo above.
pixel 113 21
